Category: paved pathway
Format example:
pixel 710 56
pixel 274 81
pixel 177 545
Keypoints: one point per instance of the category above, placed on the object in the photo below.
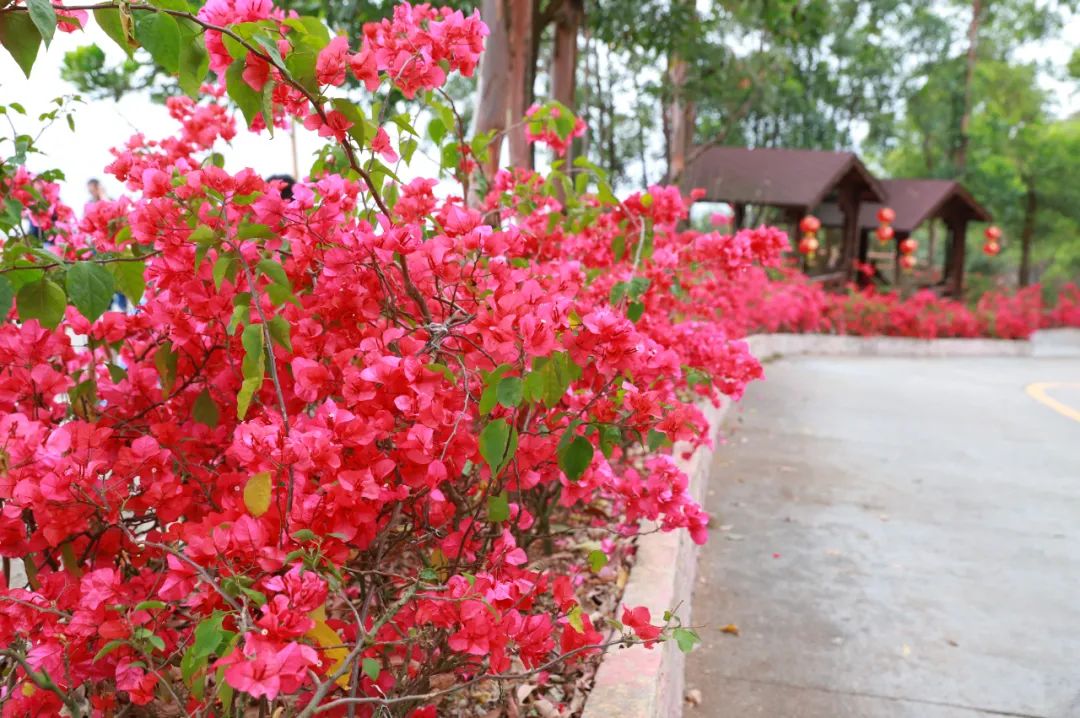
pixel 895 538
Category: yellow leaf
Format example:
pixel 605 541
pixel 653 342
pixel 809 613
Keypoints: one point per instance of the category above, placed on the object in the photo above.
pixel 331 642
pixel 730 628
pixel 439 564
pixel 257 492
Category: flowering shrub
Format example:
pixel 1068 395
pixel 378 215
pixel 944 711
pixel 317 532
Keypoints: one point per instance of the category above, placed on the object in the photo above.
pixel 790 302
pixel 323 463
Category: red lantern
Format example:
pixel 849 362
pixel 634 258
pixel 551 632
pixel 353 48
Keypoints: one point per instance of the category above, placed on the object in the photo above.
pixel 809 224
pixel 908 246
pixel 808 244
pixel 907 261
pixel 993 233
pixel 886 215
pixel 885 233
pixel 991 248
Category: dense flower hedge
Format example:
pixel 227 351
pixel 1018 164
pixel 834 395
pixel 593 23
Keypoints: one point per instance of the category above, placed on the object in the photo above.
pixel 788 301
pixel 326 462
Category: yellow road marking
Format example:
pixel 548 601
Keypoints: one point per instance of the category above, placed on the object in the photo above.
pixel 1037 391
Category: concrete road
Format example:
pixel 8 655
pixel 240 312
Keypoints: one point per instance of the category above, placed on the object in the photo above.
pixel 895 538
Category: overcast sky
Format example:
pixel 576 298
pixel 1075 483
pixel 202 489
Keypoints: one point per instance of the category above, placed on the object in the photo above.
pixel 101 125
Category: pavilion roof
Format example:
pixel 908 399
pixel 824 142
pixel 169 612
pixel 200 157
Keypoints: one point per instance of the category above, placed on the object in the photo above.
pixel 778 177
pixel 917 200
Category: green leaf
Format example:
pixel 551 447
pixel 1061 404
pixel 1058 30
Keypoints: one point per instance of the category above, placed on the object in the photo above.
pixel 356 117
pixel 209 635
pixel 130 279
pixel 371 668
pixel 609 438
pixel 635 310
pixel 498 442
pixel 274 272
pixel 108 20
pixel 656 439
pixel 160 35
pixel 687 638
pixel 149 606
pixel 254 364
pixel 7 297
pixel 301 66
pixel 20 38
pixel 246 394
pixel 489 397
pixel 193 61
pixel 246 98
pixel 304 535
pixel 190 664
pixel 224 268
pixel 509 391
pixel 281 332
pixel 44 16
pixel 498 507
pixel 91 288
pixel 205 410
pixel 165 360
pixel 597 560
pixel 42 300
pixel 107 649
pixel 116 373
pixel 575 456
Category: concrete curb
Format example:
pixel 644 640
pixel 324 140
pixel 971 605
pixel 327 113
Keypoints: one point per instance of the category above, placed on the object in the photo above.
pixel 640 683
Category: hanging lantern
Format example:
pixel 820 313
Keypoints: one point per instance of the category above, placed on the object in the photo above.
pixel 885 218
pixel 908 246
pixel 993 244
pixel 907 261
pixel 809 226
pixel 809 244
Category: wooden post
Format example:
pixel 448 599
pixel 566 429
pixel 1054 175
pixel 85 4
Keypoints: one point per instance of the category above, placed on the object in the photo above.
pixel 957 249
pixel 848 201
pixel 898 271
pixel 738 215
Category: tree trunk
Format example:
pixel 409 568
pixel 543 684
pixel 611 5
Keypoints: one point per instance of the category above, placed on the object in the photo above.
pixel 680 118
pixel 520 77
pixel 564 57
pixel 504 89
pixel 1027 235
pixel 960 155
pixel 493 91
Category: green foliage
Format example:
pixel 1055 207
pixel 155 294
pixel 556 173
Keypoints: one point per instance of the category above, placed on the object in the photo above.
pixel 20 37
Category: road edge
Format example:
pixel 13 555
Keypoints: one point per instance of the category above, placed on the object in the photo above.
pixel 637 682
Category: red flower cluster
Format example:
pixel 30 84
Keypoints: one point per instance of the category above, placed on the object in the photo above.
pixel 329 446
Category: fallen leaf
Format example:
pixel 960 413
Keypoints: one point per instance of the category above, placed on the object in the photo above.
pixel 731 628
pixel 524 690
pixel 951 642
pixel 693 697
pixel 442 681
pixel 906 650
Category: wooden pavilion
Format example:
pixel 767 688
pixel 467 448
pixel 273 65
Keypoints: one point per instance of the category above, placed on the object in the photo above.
pixel 797 183
pixel 915 202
